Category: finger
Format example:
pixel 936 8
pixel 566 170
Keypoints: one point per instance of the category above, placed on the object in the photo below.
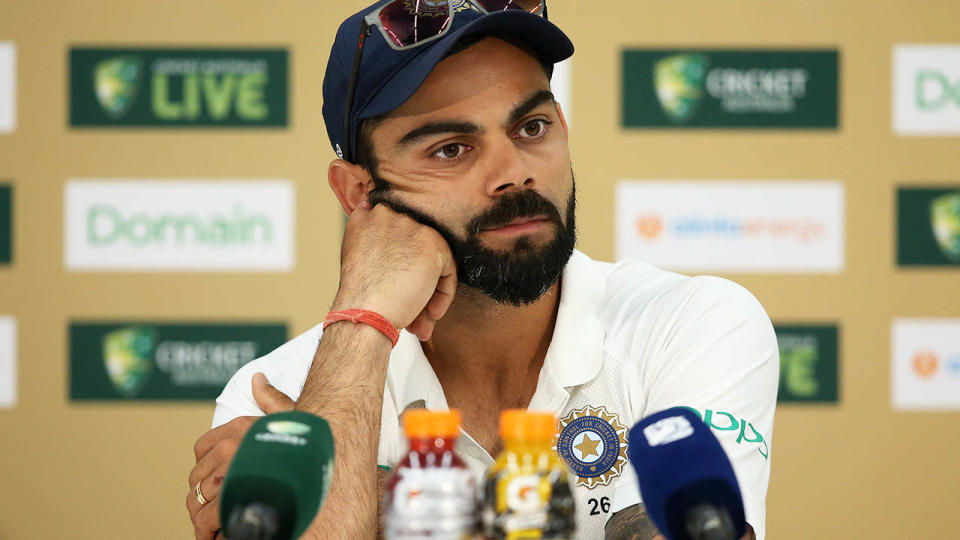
pixel 207 522
pixel 217 458
pixel 446 286
pixel 269 399
pixel 422 326
pixel 442 297
pixel 212 464
pixel 235 428
pixel 210 488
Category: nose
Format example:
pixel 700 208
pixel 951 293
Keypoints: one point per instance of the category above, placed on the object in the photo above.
pixel 509 169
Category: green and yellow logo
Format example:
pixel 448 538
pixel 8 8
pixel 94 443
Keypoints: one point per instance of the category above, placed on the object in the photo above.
pixel 116 82
pixel 163 361
pixel 6 224
pixel 127 358
pixel 178 87
pixel 808 363
pixel 945 221
pixel 679 80
pixel 928 226
pixel 730 88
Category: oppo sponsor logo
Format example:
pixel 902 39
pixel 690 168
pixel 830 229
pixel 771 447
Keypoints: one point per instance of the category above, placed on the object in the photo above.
pixel 8 86
pixel 723 422
pixel 926 88
pixel 8 362
pixel 926 364
pixel 749 226
pixel 179 225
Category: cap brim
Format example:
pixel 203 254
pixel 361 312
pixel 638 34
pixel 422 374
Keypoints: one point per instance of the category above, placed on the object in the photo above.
pixel 543 37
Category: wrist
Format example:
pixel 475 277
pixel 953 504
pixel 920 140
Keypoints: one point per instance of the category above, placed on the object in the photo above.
pixel 363 322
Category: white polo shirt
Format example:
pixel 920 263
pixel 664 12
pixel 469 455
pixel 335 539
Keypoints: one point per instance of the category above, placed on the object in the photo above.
pixel 630 340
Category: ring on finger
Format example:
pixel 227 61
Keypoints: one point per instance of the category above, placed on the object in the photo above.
pixel 200 498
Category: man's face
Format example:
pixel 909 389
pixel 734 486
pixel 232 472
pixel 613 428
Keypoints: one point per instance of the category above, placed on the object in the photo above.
pixel 480 153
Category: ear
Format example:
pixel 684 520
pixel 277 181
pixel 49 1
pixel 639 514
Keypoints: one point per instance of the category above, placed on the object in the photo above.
pixel 350 183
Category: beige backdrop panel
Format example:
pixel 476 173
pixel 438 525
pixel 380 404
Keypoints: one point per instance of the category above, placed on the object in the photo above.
pixel 856 470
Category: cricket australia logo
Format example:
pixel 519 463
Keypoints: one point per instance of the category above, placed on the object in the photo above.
pixel 593 442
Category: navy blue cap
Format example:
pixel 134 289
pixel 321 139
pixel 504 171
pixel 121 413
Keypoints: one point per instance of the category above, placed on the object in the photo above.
pixel 387 78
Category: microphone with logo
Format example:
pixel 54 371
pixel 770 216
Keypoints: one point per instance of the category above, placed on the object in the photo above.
pixel 278 478
pixel 686 480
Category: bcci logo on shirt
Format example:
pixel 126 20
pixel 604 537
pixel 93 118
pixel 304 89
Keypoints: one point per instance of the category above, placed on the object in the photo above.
pixel 593 442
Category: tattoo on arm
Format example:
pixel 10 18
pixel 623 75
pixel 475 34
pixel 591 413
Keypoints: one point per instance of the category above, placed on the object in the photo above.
pixel 631 523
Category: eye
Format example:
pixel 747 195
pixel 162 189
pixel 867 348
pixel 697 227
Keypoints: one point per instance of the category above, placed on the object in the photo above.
pixel 450 151
pixel 533 129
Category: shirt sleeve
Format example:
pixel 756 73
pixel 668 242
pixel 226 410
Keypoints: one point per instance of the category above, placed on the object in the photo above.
pixel 286 368
pixel 714 350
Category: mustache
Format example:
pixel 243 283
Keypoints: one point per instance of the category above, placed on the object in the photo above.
pixel 519 204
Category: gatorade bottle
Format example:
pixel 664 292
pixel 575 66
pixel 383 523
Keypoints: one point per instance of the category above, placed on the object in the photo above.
pixel 526 491
pixel 431 494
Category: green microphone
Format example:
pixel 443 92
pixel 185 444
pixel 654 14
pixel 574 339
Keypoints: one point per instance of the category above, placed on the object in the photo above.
pixel 278 478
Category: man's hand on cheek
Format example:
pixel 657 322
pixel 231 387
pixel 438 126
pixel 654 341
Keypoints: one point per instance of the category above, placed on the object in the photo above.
pixel 396 267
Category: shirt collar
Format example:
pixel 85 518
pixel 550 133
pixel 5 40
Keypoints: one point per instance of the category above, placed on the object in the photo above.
pixel 574 356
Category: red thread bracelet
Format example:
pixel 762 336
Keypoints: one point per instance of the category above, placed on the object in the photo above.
pixel 370 318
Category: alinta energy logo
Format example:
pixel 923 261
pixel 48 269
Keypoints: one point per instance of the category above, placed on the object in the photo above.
pixel 925 364
pixel 652 227
pixel 178 87
pixel 162 361
pixel 925 355
pixel 928 365
pixel 730 88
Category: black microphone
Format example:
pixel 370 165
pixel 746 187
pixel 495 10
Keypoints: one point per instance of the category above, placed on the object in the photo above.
pixel 278 478
pixel 686 480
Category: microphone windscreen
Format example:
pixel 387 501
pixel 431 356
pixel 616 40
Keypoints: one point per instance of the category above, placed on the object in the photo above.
pixel 285 462
pixel 680 464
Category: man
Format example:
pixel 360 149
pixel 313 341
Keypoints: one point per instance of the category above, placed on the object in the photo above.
pixel 458 184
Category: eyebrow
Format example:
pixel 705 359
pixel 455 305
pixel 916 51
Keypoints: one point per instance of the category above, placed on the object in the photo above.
pixel 437 128
pixel 538 98
pixel 464 127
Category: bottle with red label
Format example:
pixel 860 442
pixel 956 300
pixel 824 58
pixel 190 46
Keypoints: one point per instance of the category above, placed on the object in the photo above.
pixel 527 491
pixel 431 494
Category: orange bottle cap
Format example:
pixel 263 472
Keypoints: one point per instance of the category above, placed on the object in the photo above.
pixel 523 424
pixel 422 423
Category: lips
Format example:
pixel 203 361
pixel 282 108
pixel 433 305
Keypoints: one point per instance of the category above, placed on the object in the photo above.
pixel 518 221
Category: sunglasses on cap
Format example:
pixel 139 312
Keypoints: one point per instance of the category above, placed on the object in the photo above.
pixel 406 24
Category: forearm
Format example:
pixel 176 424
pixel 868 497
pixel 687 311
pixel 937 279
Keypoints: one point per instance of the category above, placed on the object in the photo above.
pixel 345 387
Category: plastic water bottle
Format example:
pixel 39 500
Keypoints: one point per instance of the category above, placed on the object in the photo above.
pixel 431 494
pixel 527 491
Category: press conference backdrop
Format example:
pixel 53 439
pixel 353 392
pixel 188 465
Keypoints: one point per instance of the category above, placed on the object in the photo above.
pixel 165 218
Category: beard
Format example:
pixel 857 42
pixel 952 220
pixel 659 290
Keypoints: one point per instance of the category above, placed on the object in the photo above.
pixel 518 275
